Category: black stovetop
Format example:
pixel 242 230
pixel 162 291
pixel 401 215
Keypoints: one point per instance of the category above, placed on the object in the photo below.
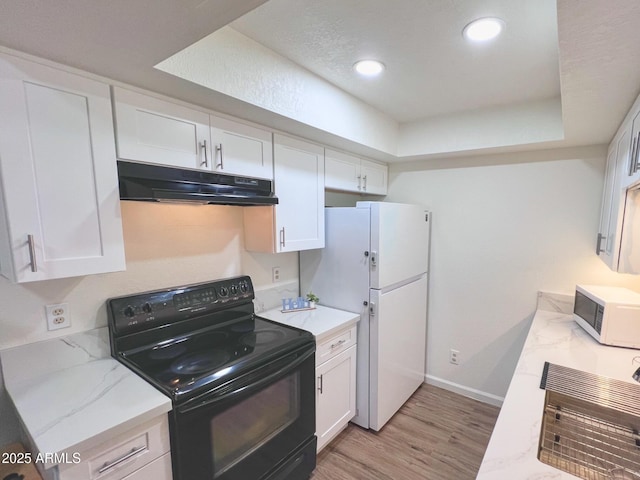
pixel 185 351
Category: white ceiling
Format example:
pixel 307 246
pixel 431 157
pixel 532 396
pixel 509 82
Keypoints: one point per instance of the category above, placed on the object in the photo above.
pixel 595 58
pixel 430 68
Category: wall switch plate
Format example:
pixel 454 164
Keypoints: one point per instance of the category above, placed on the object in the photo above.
pixel 454 357
pixel 275 274
pixel 58 316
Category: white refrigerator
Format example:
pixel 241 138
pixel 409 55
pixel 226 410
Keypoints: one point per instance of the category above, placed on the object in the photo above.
pixel 375 262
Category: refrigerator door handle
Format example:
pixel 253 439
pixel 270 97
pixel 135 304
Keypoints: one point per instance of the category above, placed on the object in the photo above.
pixel 374 258
pixel 372 310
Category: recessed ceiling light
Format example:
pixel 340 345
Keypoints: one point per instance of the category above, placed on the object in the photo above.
pixel 369 68
pixel 483 29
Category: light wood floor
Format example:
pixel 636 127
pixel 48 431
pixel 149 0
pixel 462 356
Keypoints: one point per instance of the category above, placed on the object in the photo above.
pixel 436 435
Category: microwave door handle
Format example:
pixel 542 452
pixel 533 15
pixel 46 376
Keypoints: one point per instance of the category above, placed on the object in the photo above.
pixel 248 386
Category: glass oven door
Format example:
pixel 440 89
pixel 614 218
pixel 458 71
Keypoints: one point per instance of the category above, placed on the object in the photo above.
pixel 250 426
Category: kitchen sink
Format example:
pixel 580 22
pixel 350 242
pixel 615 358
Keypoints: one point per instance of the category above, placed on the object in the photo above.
pixel 590 425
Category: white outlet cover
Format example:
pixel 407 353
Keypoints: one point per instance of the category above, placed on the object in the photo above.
pixel 58 316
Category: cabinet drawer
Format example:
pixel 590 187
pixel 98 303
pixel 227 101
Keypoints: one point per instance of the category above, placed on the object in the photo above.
pixel 335 344
pixel 122 455
pixel 159 469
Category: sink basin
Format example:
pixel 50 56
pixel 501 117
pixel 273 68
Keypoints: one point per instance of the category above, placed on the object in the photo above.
pixel 590 425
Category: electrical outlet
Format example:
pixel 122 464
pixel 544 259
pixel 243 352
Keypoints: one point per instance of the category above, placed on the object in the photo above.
pixel 58 316
pixel 454 357
pixel 275 274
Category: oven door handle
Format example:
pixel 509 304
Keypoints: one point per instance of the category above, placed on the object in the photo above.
pixel 246 384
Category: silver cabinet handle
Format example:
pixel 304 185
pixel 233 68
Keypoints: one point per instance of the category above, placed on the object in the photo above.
pixel 337 344
pixel 282 237
pixel 124 458
pixel 219 149
pixel 320 384
pixel 636 161
pixel 364 187
pixel 206 159
pixel 359 177
pixel 600 250
pixel 32 253
pixel 633 163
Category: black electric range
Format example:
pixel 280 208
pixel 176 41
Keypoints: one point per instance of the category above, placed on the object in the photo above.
pixel 242 387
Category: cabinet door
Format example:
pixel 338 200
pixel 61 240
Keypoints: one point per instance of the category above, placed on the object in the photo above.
pixel 374 177
pixel 633 170
pixel 241 149
pixel 342 172
pixel 608 242
pixel 335 395
pixel 156 131
pixel 299 185
pixel 607 197
pixel 59 179
pixel 297 222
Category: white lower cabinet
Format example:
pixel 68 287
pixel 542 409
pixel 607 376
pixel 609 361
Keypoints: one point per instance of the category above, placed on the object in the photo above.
pixel 59 198
pixel 139 454
pixel 159 469
pixel 335 385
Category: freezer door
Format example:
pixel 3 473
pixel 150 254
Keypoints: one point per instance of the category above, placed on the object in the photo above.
pixel 398 332
pixel 399 243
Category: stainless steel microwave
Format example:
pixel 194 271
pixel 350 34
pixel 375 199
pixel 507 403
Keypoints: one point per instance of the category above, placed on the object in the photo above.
pixel 611 315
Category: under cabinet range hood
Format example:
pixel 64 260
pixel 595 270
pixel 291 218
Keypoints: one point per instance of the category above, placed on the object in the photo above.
pixel 158 183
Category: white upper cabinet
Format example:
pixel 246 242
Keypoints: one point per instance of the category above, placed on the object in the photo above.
pixel 352 174
pixel 241 149
pixel 152 130
pixel 59 208
pixel 374 177
pixel 157 131
pixel 297 222
pixel 618 216
pixel 633 170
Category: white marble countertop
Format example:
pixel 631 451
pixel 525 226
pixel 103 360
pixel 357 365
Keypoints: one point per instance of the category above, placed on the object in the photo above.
pixel 554 337
pixel 321 321
pixel 71 395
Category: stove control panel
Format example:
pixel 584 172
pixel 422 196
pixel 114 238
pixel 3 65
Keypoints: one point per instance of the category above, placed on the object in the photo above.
pixel 147 310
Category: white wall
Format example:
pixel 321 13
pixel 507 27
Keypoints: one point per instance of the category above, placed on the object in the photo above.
pixel 165 245
pixel 229 62
pixel 522 124
pixel 504 226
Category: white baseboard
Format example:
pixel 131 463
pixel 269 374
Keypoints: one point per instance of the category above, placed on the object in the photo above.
pixel 483 397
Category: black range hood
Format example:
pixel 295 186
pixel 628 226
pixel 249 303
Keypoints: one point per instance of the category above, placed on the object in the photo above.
pixel 158 183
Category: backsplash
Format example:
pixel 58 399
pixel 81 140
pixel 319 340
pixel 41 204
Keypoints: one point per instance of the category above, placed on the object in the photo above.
pixel 165 245
pixel 271 297
pixel 555 302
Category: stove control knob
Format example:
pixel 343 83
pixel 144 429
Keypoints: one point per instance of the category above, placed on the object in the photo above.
pixel 244 287
pixel 146 308
pixel 223 291
pixel 129 311
pixel 233 289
